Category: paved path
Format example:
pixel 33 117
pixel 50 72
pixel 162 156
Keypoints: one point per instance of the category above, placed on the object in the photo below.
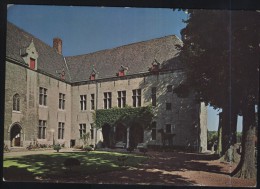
pixel 31 152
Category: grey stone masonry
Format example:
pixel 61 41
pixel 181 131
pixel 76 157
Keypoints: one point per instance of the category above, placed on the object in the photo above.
pixel 50 98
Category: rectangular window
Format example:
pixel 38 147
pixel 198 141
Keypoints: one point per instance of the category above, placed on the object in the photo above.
pixel 137 98
pixel 168 106
pixel 153 96
pixel 16 102
pixel 83 102
pixel 42 129
pixel 168 128
pixel 43 96
pixel 32 63
pixel 61 101
pixel 154 130
pixel 92 102
pixel 121 99
pixel 91 131
pixel 107 100
pixel 169 88
pixel 82 129
pixel 61 130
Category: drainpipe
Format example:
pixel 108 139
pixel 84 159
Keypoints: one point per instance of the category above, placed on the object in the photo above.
pixel 96 105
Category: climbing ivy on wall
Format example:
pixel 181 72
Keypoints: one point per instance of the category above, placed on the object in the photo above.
pixel 128 116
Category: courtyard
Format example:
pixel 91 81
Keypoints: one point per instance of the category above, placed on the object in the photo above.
pixel 175 168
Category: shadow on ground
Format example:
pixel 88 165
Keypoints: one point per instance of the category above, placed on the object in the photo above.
pixel 154 168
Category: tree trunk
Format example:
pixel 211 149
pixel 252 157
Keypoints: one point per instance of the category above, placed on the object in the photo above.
pixel 225 131
pixel 247 167
pixel 228 123
pixel 231 154
pixel 219 147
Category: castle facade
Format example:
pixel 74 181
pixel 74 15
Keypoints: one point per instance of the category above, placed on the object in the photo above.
pixel 51 98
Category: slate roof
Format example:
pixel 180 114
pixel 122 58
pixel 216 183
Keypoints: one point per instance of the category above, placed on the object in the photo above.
pixel 49 61
pixel 138 57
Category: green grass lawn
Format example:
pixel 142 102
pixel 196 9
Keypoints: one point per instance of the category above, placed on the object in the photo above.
pixel 50 166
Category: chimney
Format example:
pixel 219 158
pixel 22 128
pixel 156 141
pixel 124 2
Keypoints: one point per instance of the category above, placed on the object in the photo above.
pixel 57 44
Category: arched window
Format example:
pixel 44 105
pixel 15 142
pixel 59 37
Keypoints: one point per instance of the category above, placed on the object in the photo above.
pixel 16 102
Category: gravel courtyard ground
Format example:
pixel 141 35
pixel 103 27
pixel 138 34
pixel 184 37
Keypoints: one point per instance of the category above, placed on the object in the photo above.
pixel 165 168
pixel 178 169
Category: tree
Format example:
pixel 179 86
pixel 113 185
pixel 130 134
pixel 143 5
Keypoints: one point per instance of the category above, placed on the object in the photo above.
pixel 221 54
pixel 212 138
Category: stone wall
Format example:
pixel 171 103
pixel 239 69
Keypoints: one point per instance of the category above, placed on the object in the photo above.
pixel 186 117
pixel 183 116
pixel 26 83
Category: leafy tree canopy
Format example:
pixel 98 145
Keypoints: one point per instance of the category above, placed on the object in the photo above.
pixel 221 53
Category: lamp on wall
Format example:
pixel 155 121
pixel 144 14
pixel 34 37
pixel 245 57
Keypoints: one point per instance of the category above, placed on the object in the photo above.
pixel 52 131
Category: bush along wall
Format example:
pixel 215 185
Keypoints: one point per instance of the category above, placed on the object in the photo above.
pixel 127 115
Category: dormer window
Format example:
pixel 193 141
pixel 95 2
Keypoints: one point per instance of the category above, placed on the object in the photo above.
pixel 32 63
pixel 61 74
pixel 92 77
pixel 30 56
pixel 93 74
pixel 122 71
pixel 155 66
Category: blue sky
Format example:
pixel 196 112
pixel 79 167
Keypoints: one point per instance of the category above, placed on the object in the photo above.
pixel 89 29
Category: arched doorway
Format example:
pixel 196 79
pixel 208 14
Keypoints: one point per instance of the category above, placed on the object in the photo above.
pixel 121 133
pixel 136 135
pixel 16 135
pixel 106 132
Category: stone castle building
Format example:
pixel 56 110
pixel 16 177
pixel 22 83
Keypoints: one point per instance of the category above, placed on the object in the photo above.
pixel 50 97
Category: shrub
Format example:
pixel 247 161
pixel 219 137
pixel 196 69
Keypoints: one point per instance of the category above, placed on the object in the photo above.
pixel 88 148
pixel 57 147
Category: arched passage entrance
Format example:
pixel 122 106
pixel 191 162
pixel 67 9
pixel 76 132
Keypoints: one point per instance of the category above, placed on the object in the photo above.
pixel 16 135
pixel 121 133
pixel 106 132
pixel 136 135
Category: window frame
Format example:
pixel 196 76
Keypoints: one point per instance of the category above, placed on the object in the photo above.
pixel 32 63
pixel 82 129
pixel 42 129
pixel 154 130
pixel 107 100
pixel 92 102
pixel 91 131
pixel 16 102
pixel 43 96
pixel 61 130
pixel 61 101
pixel 121 99
pixel 137 97
pixel 83 102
